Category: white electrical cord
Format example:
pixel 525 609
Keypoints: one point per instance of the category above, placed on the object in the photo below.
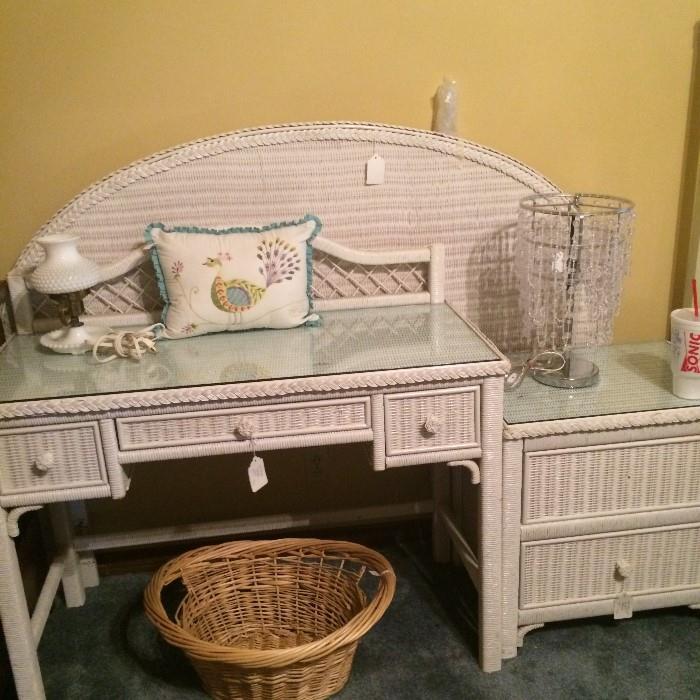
pixel 545 362
pixel 131 344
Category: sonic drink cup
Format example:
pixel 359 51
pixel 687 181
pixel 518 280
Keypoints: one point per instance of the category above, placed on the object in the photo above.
pixel 685 363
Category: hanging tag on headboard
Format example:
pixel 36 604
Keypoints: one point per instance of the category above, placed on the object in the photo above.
pixel 375 171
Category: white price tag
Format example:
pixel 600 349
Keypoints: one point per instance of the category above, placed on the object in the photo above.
pixel 256 474
pixel 622 607
pixel 375 171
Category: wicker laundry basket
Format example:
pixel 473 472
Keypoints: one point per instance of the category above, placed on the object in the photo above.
pixel 272 620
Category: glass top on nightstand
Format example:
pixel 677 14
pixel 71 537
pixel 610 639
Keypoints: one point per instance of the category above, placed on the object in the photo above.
pixel 633 378
pixel 349 341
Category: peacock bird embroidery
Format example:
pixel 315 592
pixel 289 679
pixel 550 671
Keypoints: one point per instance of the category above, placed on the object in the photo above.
pixel 278 261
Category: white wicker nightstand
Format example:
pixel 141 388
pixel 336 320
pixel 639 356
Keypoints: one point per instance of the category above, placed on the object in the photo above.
pixel 601 506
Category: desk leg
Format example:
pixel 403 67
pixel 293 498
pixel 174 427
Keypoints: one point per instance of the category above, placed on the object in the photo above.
pixel 441 498
pixel 490 525
pixel 73 588
pixel 16 622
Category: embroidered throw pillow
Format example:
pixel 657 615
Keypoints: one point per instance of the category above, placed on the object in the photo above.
pixel 234 279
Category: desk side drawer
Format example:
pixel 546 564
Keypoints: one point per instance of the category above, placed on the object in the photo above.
pixel 41 459
pixel 611 479
pixel 237 424
pixel 585 569
pixel 432 421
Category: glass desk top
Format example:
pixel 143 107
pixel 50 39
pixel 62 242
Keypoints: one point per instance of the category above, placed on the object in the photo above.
pixel 633 378
pixel 348 341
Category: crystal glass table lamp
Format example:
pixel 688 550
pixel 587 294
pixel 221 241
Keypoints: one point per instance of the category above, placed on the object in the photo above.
pixel 66 277
pixel 572 253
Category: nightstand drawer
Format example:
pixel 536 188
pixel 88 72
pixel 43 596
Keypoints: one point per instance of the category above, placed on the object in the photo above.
pixel 611 479
pixel 592 568
pixel 50 459
pixel 432 421
pixel 239 424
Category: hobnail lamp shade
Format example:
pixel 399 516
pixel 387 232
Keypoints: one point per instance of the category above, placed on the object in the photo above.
pixel 64 269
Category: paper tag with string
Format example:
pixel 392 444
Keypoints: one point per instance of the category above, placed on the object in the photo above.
pixel 623 607
pixel 623 604
pixel 256 471
pixel 256 474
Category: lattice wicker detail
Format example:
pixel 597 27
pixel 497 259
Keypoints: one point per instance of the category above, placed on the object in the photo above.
pixel 333 278
pixel 578 569
pixel 42 306
pixel 211 426
pixel 136 291
pixel 40 459
pixel 611 479
pixel 431 421
pixel 338 279
pixel 272 620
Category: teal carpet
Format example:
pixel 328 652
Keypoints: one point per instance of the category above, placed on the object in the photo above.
pixel 423 648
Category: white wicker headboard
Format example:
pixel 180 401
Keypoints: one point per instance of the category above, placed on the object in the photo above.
pixel 437 189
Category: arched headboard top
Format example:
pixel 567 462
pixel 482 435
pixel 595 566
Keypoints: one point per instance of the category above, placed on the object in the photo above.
pixel 436 189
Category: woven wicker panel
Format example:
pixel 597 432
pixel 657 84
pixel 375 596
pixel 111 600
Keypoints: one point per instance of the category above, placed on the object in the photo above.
pixel 436 189
pixel 577 569
pixel 215 426
pixel 580 483
pixel 71 455
pixel 454 414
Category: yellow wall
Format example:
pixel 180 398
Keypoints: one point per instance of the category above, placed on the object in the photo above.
pixel 592 93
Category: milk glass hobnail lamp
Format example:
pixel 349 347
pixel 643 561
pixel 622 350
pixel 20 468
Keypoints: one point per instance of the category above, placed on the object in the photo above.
pixel 66 276
pixel 572 255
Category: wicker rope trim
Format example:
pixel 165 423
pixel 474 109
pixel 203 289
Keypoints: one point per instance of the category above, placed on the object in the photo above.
pixel 272 136
pixel 641 419
pixel 359 625
pixel 253 390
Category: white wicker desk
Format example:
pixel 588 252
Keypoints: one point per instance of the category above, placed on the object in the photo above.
pixel 439 228
pixel 416 381
pixel 601 506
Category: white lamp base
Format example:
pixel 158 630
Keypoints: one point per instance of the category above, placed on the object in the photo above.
pixel 73 340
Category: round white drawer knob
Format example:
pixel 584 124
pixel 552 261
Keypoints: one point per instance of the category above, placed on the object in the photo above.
pixel 244 429
pixel 624 568
pixel 44 462
pixel 431 424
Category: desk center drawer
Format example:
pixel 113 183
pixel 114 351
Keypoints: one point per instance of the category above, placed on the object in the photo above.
pixel 239 424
